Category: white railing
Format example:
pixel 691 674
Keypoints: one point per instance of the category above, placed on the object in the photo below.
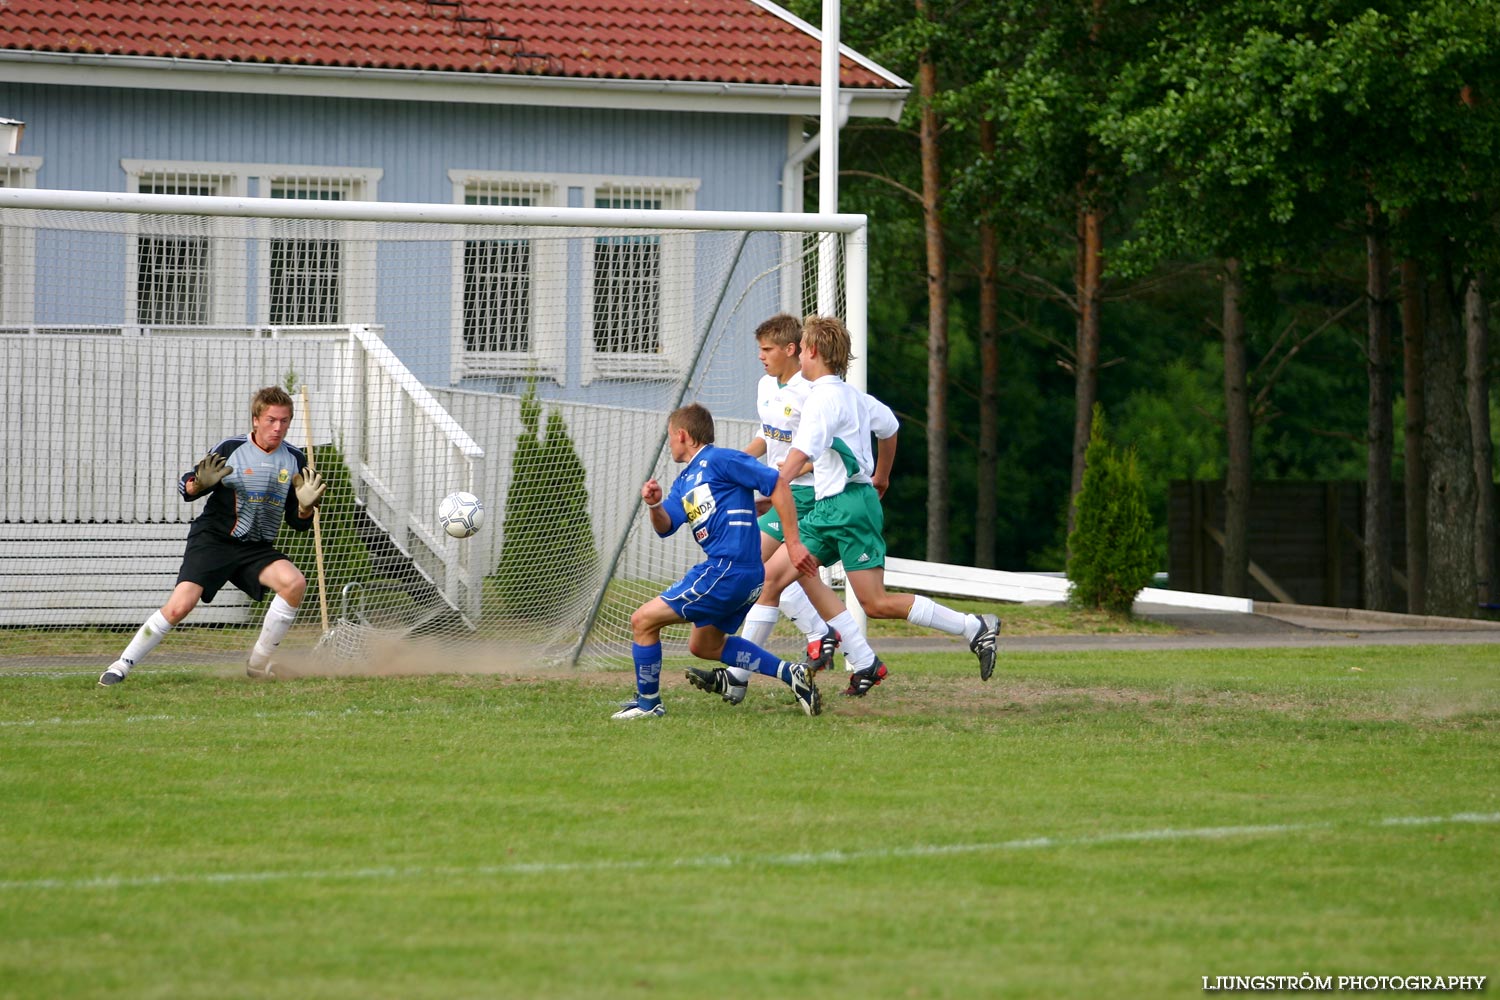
pixel 402 447
pixel 168 396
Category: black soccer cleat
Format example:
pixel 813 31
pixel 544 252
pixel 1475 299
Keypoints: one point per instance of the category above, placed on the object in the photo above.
pixel 860 681
pixel 820 651
pixel 983 644
pixel 716 681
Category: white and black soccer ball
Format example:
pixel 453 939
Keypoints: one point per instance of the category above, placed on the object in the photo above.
pixel 461 514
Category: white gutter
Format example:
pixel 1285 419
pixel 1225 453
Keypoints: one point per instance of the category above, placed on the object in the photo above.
pixel 223 76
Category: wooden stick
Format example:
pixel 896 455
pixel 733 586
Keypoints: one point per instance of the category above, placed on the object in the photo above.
pixel 317 525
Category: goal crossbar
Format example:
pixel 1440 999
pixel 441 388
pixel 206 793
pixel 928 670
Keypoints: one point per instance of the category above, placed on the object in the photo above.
pixel 396 211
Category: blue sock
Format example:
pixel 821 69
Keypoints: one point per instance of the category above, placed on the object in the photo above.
pixel 746 655
pixel 647 674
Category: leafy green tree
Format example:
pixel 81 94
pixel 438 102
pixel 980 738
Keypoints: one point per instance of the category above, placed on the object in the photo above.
pixel 1112 556
pixel 1264 128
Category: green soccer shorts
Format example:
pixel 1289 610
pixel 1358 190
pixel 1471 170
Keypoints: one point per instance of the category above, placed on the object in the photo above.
pixel 770 521
pixel 849 527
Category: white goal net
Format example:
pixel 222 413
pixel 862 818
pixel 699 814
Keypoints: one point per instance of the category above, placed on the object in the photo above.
pixel 527 356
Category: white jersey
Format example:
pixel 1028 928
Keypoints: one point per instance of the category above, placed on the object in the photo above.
pixel 780 408
pixel 883 423
pixel 836 411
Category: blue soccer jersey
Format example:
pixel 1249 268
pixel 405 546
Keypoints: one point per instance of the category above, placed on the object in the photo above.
pixel 251 503
pixel 715 496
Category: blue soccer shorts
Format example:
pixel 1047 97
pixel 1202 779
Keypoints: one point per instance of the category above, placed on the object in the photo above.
pixel 716 592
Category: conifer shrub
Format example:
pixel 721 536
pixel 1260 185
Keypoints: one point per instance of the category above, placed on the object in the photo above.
pixel 1112 554
pixel 346 559
pixel 546 523
pixel 345 556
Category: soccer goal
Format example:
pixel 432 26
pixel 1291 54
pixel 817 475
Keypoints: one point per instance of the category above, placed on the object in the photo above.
pixel 526 355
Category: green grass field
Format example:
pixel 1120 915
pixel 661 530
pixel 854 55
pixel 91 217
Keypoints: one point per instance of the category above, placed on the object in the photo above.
pixel 1103 824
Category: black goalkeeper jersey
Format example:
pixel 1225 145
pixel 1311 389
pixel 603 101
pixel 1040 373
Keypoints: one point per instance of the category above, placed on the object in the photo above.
pixel 253 501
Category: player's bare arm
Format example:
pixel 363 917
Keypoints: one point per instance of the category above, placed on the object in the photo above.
pixel 651 496
pixel 801 558
pixel 885 457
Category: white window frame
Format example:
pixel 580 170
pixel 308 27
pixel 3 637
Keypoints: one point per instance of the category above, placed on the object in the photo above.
pixel 357 257
pixel 548 349
pixel 18 249
pixel 226 306
pixel 677 271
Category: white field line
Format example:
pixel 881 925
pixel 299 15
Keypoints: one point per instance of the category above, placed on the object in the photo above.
pixel 99 720
pixel 73 673
pixel 835 857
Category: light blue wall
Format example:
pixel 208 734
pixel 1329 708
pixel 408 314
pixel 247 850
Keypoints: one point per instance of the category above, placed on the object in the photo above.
pixel 82 134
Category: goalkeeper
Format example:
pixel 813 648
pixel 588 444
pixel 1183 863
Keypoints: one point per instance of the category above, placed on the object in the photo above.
pixel 715 496
pixel 253 483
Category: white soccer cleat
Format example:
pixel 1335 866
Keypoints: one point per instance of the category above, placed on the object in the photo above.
pixel 633 710
pixel 260 666
pixel 114 673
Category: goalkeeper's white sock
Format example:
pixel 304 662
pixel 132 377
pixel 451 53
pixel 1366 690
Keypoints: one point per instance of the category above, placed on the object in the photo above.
pixel 279 618
pixel 758 624
pixel 147 638
pixel 796 605
pixel 930 614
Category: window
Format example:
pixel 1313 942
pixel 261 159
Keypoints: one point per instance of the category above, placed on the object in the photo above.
pixel 184 274
pixel 508 318
pixel 226 272
pixel 640 297
pixel 306 276
pixel 174 274
pixel 627 286
pixel 17 248
pixel 319 280
pixel 497 288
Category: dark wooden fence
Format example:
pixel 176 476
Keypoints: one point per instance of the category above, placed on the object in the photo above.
pixel 1305 541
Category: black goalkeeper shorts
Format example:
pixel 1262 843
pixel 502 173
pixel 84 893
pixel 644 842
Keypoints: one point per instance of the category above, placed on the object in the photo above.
pixel 212 560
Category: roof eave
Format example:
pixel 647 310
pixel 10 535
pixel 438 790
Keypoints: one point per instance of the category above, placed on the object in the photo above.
pixel 202 75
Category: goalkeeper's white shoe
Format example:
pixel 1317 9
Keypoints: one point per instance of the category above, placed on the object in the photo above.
pixel 114 674
pixel 633 710
pixel 260 666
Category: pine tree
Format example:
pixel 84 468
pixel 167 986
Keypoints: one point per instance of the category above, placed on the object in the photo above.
pixel 1111 543
pixel 546 521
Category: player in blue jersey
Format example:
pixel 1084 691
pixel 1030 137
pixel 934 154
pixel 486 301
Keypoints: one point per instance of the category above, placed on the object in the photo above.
pixel 254 483
pixel 714 496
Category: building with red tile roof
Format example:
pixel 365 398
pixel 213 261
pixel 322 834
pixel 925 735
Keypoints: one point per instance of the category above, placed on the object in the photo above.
pixel 746 55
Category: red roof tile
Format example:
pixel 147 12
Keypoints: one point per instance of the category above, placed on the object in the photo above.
pixel 719 41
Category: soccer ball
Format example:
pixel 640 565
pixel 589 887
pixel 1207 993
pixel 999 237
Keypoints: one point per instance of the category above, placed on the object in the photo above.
pixel 461 514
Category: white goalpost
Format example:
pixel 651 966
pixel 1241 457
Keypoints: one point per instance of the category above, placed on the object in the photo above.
pixel 525 353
